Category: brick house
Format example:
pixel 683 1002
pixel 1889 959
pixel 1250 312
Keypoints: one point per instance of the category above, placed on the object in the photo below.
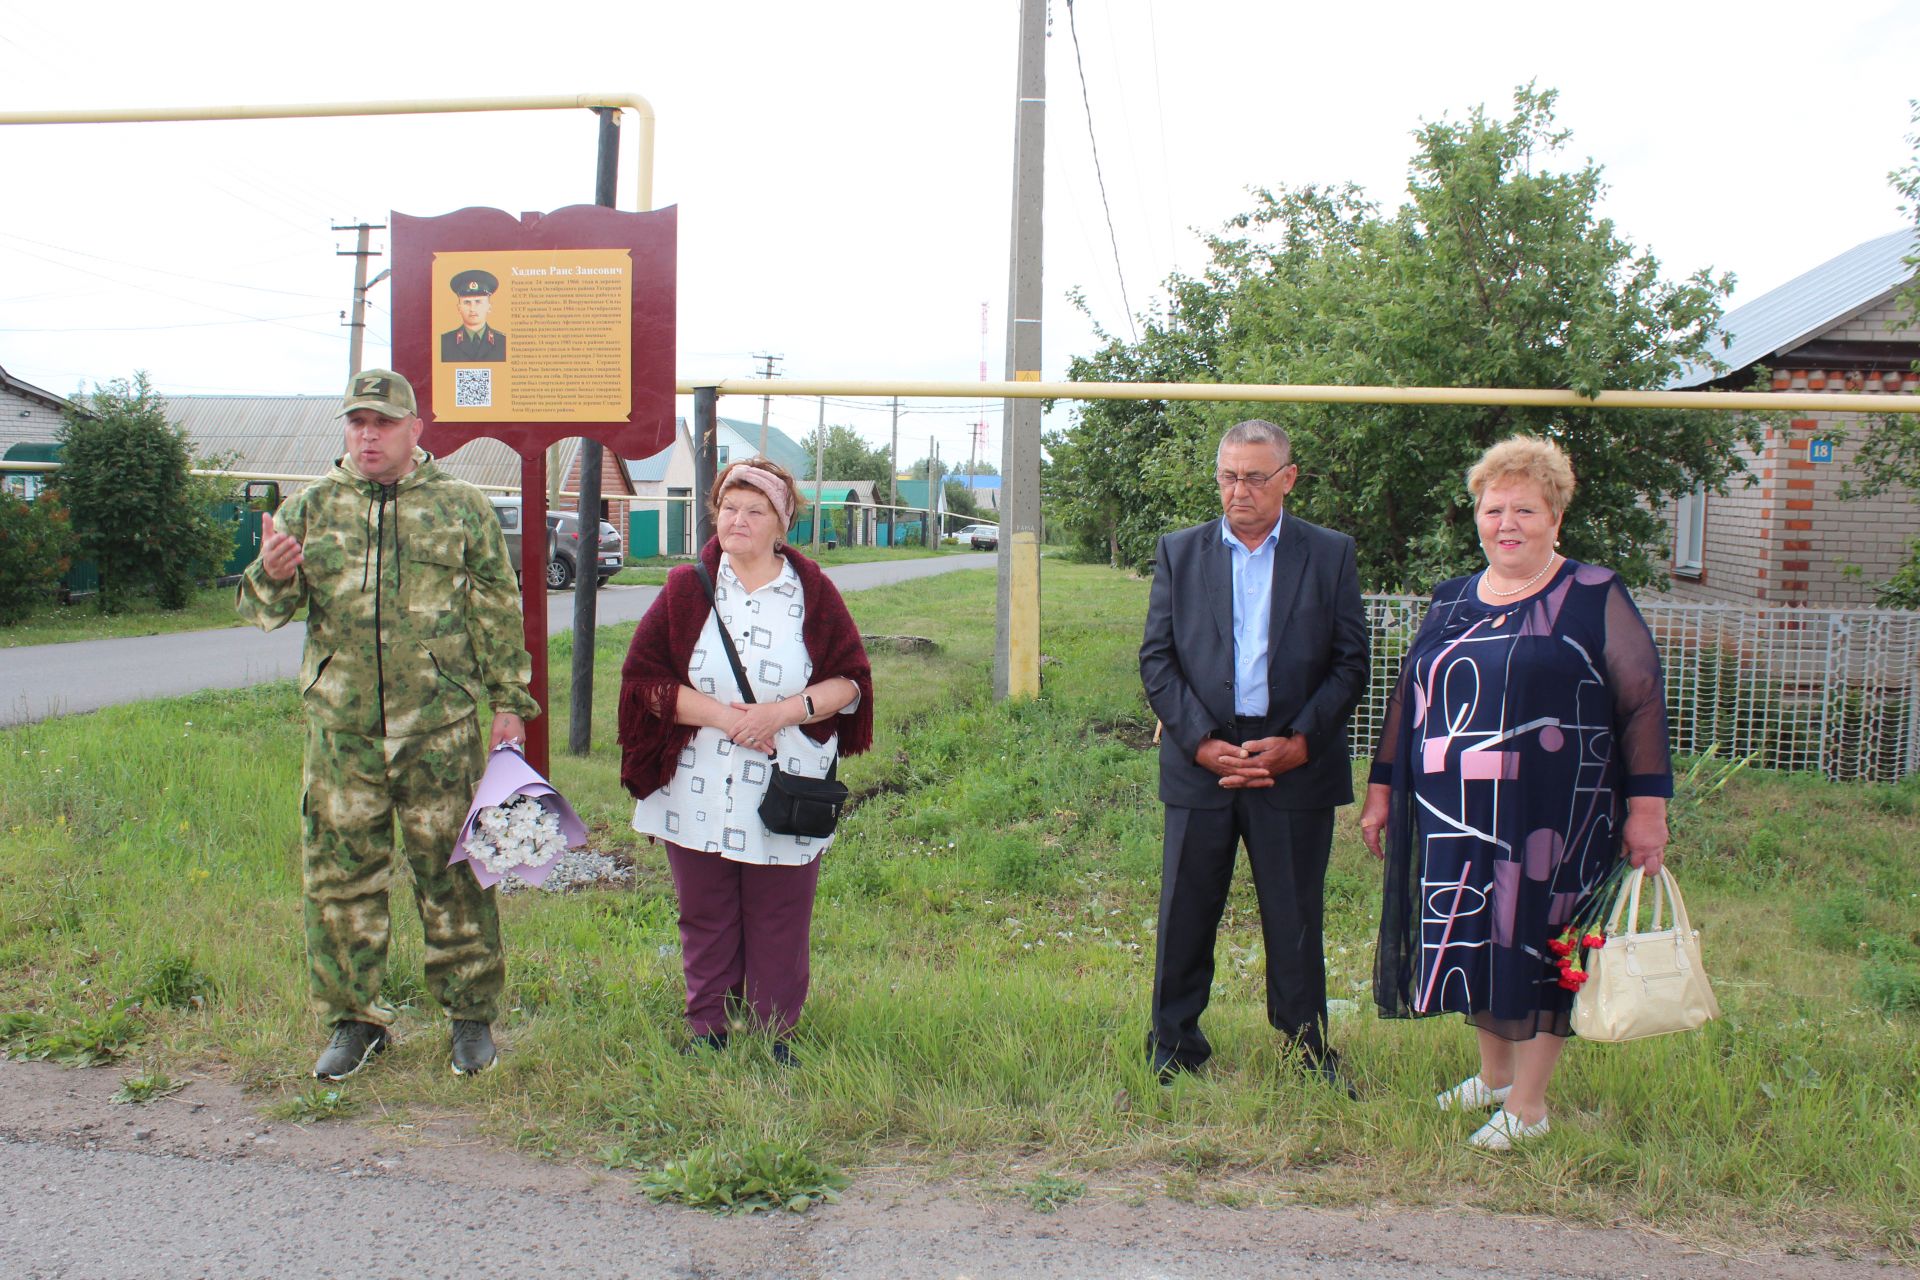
pixel 1788 538
pixel 28 415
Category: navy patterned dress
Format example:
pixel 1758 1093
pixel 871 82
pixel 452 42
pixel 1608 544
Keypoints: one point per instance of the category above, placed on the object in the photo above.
pixel 1515 734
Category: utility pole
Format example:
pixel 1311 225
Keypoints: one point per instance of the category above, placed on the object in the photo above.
pixel 819 460
pixel 1016 654
pixel 358 324
pixel 893 475
pixel 766 402
pixel 586 550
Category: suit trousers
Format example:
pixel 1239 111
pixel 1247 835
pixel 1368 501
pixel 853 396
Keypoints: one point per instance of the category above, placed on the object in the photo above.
pixel 745 937
pixel 1288 851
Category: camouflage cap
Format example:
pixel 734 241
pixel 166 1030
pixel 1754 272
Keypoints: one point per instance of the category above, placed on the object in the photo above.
pixel 381 390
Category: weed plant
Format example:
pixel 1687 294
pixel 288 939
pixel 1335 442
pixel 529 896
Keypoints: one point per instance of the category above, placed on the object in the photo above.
pixel 314 1105
pixel 147 1086
pixel 983 951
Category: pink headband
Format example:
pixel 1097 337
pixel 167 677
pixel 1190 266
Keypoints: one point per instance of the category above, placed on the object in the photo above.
pixel 766 482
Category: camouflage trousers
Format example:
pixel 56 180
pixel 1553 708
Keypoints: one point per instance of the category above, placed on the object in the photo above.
pixel 360 794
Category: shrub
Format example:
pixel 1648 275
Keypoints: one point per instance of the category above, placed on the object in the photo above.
pixel 33 554
pixel 138 511
pixel 1892 986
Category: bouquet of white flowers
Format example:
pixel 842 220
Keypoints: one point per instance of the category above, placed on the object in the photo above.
pixel 518 823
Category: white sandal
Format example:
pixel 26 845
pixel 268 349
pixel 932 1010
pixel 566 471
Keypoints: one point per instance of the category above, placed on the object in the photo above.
pixel 1471 1094
pixel 1505 1129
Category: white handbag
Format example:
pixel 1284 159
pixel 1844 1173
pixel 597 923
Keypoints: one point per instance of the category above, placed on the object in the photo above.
pixel 1645 983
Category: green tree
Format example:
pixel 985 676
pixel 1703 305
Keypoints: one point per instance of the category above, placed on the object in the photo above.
pixel 1497 272
pixel 846 456
pixel 137 511
pixel 1889 456
pixel 960 499
pixel 33 553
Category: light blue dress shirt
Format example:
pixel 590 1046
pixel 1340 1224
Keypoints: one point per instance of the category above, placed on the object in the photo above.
pixel 1252 614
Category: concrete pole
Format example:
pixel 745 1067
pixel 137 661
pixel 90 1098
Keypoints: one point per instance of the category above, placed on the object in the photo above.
pixel 1016 656
pixel 893 476
pixel 357 327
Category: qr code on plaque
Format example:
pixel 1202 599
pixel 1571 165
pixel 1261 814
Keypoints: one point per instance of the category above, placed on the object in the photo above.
pixel 473 388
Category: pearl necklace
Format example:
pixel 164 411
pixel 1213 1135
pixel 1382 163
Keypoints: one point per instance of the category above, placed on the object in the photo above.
pixel 1492 590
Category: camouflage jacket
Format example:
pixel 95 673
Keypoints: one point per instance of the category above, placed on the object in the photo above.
pixel 413 613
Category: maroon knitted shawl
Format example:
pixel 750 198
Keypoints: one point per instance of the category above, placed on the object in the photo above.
pixel 663 643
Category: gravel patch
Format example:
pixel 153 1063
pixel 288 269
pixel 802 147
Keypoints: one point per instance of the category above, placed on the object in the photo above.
pixel 577 869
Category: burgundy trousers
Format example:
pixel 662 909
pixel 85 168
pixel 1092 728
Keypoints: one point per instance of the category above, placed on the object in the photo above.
pixel 745 933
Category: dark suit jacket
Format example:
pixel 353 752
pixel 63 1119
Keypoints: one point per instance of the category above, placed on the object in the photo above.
pixel 1316 660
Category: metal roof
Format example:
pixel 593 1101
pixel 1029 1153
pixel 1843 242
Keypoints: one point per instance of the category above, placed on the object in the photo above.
pixel 838 491
pixel 303 436
pixel 32 392
pixel 1808 305
pixel 738 437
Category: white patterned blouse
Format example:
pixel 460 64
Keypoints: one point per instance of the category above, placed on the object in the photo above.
pixel 712 801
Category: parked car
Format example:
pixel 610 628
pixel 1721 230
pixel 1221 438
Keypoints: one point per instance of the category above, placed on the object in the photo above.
pixel 981 537
pixel 562 565
pixel 563 537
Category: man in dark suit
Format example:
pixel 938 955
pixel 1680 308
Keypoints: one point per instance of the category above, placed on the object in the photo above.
pixel 1254 657
pixel 475 341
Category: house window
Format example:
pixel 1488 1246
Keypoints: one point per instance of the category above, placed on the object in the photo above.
pixel 1689 531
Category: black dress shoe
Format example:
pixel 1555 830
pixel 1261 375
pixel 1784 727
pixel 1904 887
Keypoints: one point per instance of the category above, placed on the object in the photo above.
pixel 1325 1067
pixel 1166 1066
pixel 351 1048
pixel 714 1040
pixel 784 1055
pixel 472 1047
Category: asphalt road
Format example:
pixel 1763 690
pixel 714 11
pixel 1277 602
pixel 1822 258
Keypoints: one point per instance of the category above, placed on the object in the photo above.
pixel 38 682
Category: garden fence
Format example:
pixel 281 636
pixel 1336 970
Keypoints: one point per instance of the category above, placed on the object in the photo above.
pixel 1816 690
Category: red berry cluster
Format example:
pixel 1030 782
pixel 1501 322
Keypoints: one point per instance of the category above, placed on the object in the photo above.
pixel 1567 947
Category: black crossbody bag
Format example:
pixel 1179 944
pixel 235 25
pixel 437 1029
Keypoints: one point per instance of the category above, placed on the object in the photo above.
pixel 795 806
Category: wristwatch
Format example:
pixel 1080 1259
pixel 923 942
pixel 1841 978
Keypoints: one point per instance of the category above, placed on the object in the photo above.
pixel 808 699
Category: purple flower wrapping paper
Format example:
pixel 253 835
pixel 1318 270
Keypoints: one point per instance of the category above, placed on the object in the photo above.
pixel 508 775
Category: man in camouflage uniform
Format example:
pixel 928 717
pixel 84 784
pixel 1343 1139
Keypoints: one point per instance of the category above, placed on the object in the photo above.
pixel 413 622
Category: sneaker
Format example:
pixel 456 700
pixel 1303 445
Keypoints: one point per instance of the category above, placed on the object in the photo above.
pixel 1471 1094
pixel 784 1055
pixel 472 1047
pixel 1505 1129
pixel 351 1048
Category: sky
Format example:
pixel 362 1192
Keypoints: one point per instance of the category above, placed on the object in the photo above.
pixel 843 171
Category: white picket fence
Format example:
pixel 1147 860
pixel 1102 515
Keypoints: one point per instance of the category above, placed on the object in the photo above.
pixel 1831 691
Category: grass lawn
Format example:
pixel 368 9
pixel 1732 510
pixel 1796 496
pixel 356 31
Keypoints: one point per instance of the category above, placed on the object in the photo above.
pixel 82 620
pixel 982 963
pixel 652 571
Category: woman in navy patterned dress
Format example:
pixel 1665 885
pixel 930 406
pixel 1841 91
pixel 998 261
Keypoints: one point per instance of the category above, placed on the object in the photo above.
pixel 1524 752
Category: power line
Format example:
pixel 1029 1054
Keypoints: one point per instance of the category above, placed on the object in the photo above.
pixel 1087 104
pixel 161 271
pixel 143 288
pixel 187 324
pixel 1160 111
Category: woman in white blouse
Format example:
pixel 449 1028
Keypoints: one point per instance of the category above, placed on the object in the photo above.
pixel 697 755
